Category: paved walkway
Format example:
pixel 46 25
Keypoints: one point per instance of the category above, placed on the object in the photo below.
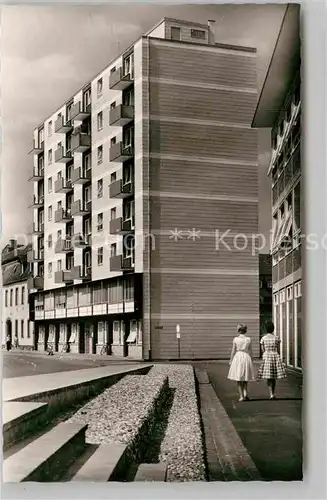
pixel 17 388
pixel 270 431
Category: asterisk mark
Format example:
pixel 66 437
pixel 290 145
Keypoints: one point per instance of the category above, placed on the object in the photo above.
pixel 176 234
pixel 194 234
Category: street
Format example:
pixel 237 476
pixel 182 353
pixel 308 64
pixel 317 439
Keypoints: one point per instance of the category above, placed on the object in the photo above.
pixel 23 364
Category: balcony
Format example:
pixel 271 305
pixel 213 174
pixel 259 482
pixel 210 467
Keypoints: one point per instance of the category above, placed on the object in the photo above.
pixel 37 228
pixel 79 112
pixel 62 277
pixel 80 208
pixel 118 263
pixel 62 215
pixel 38 148
pixel 36 283
pixel 64 245
pixel 81 176
pixel 35 255
pixel 62 126
pixel 37 174
pixel 63 185
pixel 119 190
pixel 37 201
pixel 61 156
pixel 120 226
pixel 121 115
pixel 81 241
pixel 81 143
pixel 81 273
pixel 119 81
pixel 121 153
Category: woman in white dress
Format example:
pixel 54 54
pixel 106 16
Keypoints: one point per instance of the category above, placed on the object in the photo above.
pixel 241 366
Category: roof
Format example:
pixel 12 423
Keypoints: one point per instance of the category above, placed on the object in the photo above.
pixel 265 264
pixel 10 253
pixel 283 67
pixel 15 272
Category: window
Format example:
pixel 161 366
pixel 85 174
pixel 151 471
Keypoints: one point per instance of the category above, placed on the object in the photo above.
pixel 6 298
pixel 113 105
pixel 50 156
pixel 11 296
pixel 199 34
pixel 87 162
pixel 50 128
pixel 260 283
pixel 50 213
pixel 50 185
pixel 16 297
pixel 22 329
pixel 100 154
pixel 59 233
pixel 100 222
pixel 28 329
pixel 128 98
pixel 59 205
pixel 100 120
pixel 269 284
pixel 175 33
pixel 50 268
pixel 289 293
pixel 113 213
pixel 112 141
pixel 50 241
pixel 87 98
pixel 69 111
pixel 100 86
pixel 113 177
pixel 113 250
pixel 23 295
pixel 59 265
pixel 16 327
pixel 128 66
pixel 100 188
pixel 100 256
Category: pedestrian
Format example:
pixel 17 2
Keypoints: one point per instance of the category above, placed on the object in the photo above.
pixel 272 366
pixel 241 366
pixel 16 342
pixel 8 342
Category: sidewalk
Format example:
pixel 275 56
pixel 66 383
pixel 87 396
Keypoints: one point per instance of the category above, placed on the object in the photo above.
pixel 271 431
pixel 71 355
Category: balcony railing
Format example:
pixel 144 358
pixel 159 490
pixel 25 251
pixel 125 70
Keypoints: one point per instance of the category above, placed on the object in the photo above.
pixel 62 126
pixel 80 208
pixel 119 190
pixel 79 112
pixel 119 81
pixel 120 226
pixel 81 176
pixel 37 148
pixel 62 215
pixel 63 185
pixel 37 174
pixel 62 156
pixel 81 143
pixel 37 201
pixel 35 255
pixel 63 277
pixel 81 241
pixel 118 263
pixel 121 115
pixel 36 283
pixel 120 153
pixel 64 245
pixel 81 273
pixel 37 228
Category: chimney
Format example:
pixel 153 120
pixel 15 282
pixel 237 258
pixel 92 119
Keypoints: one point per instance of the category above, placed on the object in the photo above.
pixel 211 33
pixel 13 244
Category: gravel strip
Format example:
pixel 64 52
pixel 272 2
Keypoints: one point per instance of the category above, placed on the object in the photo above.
pixel 182 446
pixel 118 413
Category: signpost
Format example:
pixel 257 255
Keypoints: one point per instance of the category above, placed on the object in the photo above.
pixel 178 336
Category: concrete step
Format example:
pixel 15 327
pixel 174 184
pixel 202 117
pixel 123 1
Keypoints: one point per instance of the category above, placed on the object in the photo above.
pixel 152 472
pixel 105 464
pixel 45 458
pixel 20 420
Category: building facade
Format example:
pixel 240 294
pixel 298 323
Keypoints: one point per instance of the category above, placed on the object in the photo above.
pixel 280 109
pixel 15 306
pixel 136 179
pixel 266 297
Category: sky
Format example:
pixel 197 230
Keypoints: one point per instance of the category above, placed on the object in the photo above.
pixel 49 52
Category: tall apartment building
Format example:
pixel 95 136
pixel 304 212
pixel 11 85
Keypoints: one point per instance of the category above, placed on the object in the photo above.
pixel 279 108
pixel 15 307
pixel 135 179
